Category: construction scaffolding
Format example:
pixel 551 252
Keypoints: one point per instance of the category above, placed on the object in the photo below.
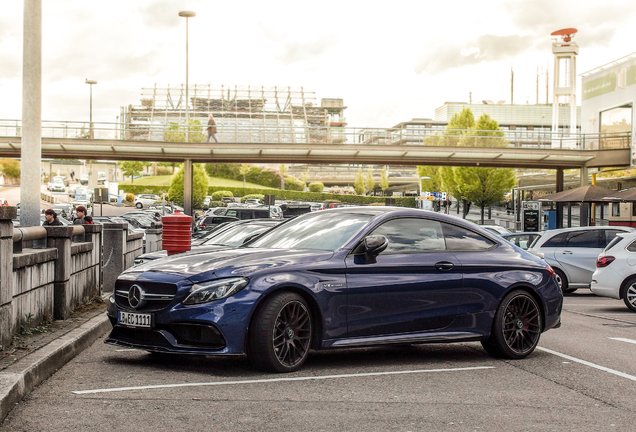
pixel 242 114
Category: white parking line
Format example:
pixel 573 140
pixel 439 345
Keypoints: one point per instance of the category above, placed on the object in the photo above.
pixel 624 340
pixel 587 363
pixel 308 378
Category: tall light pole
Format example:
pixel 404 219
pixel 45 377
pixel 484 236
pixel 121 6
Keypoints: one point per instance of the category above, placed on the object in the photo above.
pixel 186 14
pixel 91 82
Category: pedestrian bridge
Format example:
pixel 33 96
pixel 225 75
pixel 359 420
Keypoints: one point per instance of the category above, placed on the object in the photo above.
pixel 324 145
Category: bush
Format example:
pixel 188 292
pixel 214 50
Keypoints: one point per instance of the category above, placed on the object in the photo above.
pixel 161 171
pixel 11 168
pixel 316 187
pixel 259 196
pixel 292 183
pixel 130 197
pixel 216 196
pixel 217 204
pixel 200 183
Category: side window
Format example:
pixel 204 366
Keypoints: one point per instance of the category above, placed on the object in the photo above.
pixel 412 235
pixel 584 239
pixel 231 213
pixel 556 241
pixel 632 247
pixel 610 235
pixel 462 239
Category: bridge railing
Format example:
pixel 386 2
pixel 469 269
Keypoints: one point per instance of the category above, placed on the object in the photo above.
pixel 232 131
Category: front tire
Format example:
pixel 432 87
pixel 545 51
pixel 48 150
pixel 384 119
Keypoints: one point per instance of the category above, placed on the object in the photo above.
pixel 139 205
pixel 516 328
pixel 280 333
pixel 628 294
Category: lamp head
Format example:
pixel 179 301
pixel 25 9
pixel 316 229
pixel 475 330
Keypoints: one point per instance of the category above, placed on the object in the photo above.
pixel 187 14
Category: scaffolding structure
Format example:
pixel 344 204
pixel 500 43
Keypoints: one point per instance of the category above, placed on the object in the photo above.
pixel 242 114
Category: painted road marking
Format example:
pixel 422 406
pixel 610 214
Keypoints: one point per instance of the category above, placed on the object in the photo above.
pixel 624 340
pixel 272 380
pixel 587 363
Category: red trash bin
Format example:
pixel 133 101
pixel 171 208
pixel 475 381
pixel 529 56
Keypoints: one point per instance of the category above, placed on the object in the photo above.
pixel 177 233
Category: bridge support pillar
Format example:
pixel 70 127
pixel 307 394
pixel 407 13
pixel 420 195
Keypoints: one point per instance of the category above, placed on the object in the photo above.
pixel 559 206
pixel 584 175
pixel 188 187
pixel 31 149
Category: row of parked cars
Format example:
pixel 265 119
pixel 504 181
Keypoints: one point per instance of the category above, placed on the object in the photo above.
pixel 601 258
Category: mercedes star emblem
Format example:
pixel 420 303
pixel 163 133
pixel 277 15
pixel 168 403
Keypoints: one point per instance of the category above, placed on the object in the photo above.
pixel 136 297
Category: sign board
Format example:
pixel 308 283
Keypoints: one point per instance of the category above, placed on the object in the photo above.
pixel 433 196
pixel 530 205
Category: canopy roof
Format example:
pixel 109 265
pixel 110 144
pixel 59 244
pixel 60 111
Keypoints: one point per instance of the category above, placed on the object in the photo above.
pixel 589 193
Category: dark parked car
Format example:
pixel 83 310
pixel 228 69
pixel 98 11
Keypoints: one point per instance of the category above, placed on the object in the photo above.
pixel 350 277
pixel 243 213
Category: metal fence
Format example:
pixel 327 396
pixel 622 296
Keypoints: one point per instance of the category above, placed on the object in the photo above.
pixel 271 132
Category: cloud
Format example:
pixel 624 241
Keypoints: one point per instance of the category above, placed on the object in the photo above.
pixel 296 51
pixel 485 48
pixel 161 14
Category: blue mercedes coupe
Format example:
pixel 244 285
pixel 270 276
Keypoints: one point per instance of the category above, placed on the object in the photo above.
pixel 341 278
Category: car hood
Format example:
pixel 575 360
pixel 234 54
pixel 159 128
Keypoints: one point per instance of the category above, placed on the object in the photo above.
pixel 195 250
pixel 198 267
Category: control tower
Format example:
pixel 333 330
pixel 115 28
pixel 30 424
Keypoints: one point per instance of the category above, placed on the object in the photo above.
pixel 565 51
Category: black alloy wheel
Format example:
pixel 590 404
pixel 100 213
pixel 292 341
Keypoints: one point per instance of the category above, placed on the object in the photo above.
pixel 281 332
pixel 517 327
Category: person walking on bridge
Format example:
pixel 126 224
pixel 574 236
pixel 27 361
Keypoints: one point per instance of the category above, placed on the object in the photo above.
pixel 211 129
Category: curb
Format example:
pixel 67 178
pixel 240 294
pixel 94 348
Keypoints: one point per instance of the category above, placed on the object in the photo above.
pixel 19 379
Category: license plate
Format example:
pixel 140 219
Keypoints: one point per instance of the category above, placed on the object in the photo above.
pixel 134 319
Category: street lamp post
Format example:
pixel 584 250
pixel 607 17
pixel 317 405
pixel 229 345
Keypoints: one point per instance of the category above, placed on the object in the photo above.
pixel 91 82
pixel 186 14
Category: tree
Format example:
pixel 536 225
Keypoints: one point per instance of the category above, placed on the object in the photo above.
pixel 10 167
pixel 358 185
pixel 369 182
pixel 384 180
pixel 484 186
pixel 244 170
pixel 131 168
pixel 199 183
pixel 176 132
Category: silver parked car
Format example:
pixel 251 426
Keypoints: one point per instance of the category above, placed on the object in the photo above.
pixel 572 252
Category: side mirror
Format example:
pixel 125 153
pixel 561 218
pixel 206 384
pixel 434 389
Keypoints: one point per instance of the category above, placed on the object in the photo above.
pixel 371 247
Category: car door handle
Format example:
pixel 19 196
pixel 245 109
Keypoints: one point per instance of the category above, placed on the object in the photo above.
pixel 567 252
pixel 444 265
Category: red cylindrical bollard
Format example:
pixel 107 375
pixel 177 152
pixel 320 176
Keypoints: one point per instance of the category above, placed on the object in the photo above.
pixel 177 233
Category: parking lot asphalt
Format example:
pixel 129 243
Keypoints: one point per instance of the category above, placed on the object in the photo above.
pixel 582 377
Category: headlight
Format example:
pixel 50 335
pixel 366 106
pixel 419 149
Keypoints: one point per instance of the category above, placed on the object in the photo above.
pixel 215 290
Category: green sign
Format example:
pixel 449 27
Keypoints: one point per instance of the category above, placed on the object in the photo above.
pixel 630 79
pixel 599 86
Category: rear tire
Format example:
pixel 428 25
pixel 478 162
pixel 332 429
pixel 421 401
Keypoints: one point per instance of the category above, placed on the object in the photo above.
pixel 628 294
pixel 139 205
pixel 516 328
pixel 563 283
pixel 280 333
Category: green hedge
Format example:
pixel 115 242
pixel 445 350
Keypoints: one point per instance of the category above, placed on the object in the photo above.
pixel 282 195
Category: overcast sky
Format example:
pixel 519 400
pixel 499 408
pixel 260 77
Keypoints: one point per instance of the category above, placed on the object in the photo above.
pixel 390 61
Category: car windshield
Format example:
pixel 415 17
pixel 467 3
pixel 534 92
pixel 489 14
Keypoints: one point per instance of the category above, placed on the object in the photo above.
pixel 236 235
pixel 325 231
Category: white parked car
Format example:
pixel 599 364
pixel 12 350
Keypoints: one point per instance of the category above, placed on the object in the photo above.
pixel 146 200
pixel 57 185
pixel 615 274
pixel 496 229
pixel 572 252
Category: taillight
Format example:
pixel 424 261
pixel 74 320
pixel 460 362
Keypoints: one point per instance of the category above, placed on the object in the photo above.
pixel 551 271
pixel 604 261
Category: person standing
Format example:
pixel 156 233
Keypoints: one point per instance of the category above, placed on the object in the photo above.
pixel 72 175
pixel 211 129
pixel 80 211
pixel 51 218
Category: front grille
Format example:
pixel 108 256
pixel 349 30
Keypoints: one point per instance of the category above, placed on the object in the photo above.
pixel 198 335
pixel 139 336
pixel 180 335
pixel 157 295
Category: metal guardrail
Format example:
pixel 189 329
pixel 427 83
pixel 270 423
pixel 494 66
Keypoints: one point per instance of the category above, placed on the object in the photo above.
pixel 267 133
